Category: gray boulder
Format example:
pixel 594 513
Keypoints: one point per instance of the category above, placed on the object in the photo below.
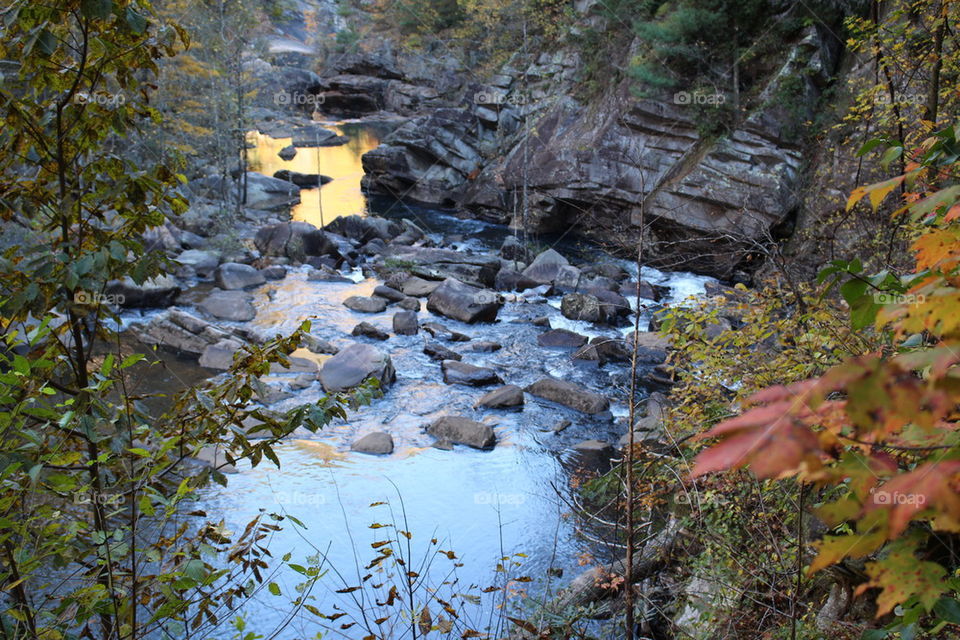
pixel 355 364
pixel 410 304
pixel 203 262
pixel 460 301
pixel 418 287
pixel 389 293
pixel 364 304
pixel 546 267
pixel 295 240
pixel 368 330
pixel 269 194
pixel 561 338
pixel 437 351
pixel 236 306
pixel 506 397
pixel 569 395
pixel 460 430
pixel 220 355
pixel 455 372
pixel 405 323
pixel 233 275
pixel 377 443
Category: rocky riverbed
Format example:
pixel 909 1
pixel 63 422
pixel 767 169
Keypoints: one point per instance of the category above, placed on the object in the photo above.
pixel 504 365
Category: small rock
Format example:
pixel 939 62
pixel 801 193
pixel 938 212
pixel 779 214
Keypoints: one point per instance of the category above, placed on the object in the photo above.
pixel 355 364
pixel 560 426
pixel 288 153
pixel 437 351
pixel 508 396
pixel 437 330
pixel 561 338
pixel 456 372
pixel 460 430
pixel 389 293
pixel 484 346
pixel 318 345
pixel 377 443
pixel 405 323
pixel 364 304
pixel 274 272
pixel 368 330
pixel 304 180
pixel 410 304
pixel 595 454
pixel 542 321
pixel 569 395
pixel 302 381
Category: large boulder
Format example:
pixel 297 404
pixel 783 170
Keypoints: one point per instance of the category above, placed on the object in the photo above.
pixel 179 331
pixel 236 306
pixel 546 267
pixel 364 304
pixel 355 364
pixel 569 395
pixel 389 293
pixel 369 331
pixel 269 194
pixel 418 287
pixel 561 338
pixel 460 430
pixel 203 262
pixel 506 397
pixel 304 180
pixel 598 306
pixel 364 229
pixel 295 240
pixel 460 301
pixel 405 323
pixel 455 372
pixel 437 351
pixel 233 275
pixel 377 443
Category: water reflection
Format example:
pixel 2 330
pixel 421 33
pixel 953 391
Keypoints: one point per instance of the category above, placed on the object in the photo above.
pixel 343 196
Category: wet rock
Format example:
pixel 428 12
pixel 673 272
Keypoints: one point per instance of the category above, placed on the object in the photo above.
pixel 364 229
pixel 233 275
pixel 354 364
pixel 220 355
pixel 302 381
pixel 179 331
pixel 318 345
pixel 274 272
pixel 598 306
pixel 561 426
pixel 369 331
pixel 288 153
pixel 437 330
pixel 405 323
pixel 647 290
pixel 364 304
pixel 236 306
pixel 303 180
pixel 651 346
pixel 460 430
pixel 440 264
pixel 455 372
pixel 569 395
pixel 295 240
pixel 607 270
pixel 297 364
pixel 603 350
pixel 595 454
pixel 410 304
pixel 269 194
pixel 437 351
pixel 203 262
pixel 484 346
pixel 156 293
pixel 388 293
pixel 509 280
pixel 460 301
pixel 513 249
pixel 377 443
pixel 418 287
pixel 324 273
pixel 561 338
pixel 508 396
pixel 546 267
pixel 542 321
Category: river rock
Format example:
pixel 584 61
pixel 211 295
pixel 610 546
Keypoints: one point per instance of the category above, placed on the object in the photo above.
pixel 233 275
pixel 236 306
pixel 410 304
pixel 561 338
pixel 288 153
pixel 506 397
pixel 203 262
pixel 304 180
pixel 364 304
pixel 269 194
pixel 455 372
pixel 437 351
pixel 179 331
pixel 354 364
pixel 569 395
pixel 318 345
pixel 437 330
pixel 388 293
pixel 377 443
pixel 595 454
pixel 159 292
pixel 295 240
pixel 363 229
pixel 460 430
pixel 220 355
pixel 368 330
pixel 512 249
pixel 460 301
pixel 274 272
pixel 418 287
pixel 652 348
pixel 598 306
pixel 405 323
pixel 546 267
pixel 484 346
pixel 603 349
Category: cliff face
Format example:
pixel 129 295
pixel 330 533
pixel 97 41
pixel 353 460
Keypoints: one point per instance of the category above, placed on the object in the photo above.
pixel 524 148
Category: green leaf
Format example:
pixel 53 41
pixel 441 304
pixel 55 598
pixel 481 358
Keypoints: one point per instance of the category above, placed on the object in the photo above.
pixel 274 588
pixel 136 22
pixel 852 290
pixel 948 609
pixel 96 9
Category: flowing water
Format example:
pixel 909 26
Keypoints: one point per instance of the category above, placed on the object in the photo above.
pixel 481 504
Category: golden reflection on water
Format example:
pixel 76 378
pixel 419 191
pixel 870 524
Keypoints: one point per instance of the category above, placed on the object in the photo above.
pixel 343 196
